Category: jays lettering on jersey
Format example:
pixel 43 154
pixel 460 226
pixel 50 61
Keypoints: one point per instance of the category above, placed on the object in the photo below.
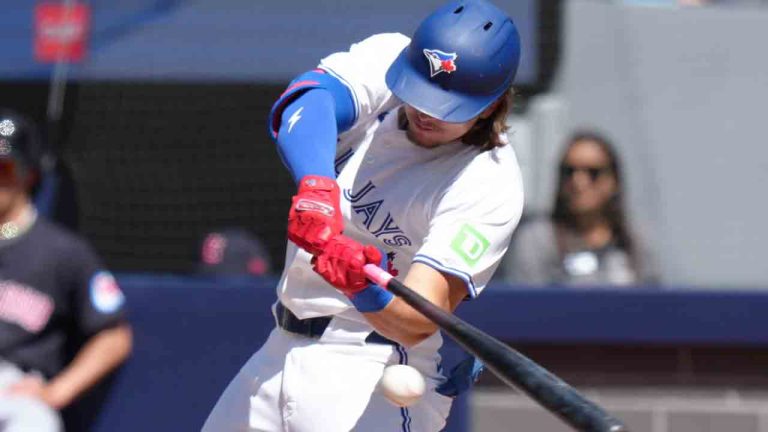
pixel 452 207
pixel 52 288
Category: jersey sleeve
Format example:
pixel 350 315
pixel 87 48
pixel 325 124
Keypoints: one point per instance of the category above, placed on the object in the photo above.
pixel 470 230
pixel 363 69
pixel 98 302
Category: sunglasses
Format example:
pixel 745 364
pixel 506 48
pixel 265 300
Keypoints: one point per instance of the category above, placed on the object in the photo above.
pixel 568 171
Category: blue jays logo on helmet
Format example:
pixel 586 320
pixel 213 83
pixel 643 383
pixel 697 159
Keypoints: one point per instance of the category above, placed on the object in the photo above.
pixel 440 61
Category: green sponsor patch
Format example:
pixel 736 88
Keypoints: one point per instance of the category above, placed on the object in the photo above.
pixel 469 244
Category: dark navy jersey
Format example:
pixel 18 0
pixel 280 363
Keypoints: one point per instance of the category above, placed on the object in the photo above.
pixel 53 290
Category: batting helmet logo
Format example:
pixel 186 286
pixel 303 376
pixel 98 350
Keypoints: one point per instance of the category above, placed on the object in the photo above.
pixel 440 61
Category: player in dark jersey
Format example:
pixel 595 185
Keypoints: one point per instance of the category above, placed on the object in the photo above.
pixel 53 290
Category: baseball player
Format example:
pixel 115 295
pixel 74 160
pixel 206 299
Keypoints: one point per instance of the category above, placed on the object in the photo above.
pixel 53 291
pixel 399 152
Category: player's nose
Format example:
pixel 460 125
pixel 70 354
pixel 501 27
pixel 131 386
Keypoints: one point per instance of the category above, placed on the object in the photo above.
pixel 425 117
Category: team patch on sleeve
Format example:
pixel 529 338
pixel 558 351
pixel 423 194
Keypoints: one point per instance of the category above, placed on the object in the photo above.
pixel 106 295
pixel 469 244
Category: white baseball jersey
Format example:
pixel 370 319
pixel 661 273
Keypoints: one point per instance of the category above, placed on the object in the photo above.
pixel 452 207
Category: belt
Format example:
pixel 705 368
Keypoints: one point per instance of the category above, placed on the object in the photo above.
pixel 314 327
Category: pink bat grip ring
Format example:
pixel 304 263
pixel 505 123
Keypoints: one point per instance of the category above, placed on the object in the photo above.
pixel 377 275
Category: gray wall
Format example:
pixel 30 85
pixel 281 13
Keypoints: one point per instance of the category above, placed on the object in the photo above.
pixel 683 94
pixel 643 410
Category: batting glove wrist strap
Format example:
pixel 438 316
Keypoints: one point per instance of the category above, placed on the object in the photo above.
pixel 372 299
pixel 317 183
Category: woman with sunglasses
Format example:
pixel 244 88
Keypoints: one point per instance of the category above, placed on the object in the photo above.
pixel 586 240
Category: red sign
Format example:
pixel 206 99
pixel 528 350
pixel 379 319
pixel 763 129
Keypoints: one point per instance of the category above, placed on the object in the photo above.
pixel 61 31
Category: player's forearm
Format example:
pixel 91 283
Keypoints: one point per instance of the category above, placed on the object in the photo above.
pixel 401 323
pixel 100 355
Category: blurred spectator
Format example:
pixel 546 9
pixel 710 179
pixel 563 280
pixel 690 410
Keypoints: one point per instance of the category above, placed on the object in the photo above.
pixel 587 239
pixel 234 252
pixel 54 295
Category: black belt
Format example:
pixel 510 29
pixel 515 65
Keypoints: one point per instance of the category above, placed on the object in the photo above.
pixel 314 327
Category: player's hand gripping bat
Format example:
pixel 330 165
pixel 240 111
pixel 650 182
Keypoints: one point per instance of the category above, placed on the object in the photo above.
pixel 509 365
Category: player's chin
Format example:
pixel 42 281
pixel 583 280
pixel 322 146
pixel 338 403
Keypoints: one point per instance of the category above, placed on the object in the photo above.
pixel 424 138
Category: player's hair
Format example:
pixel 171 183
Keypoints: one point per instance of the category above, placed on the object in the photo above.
pixel 614 209
pixel 491 132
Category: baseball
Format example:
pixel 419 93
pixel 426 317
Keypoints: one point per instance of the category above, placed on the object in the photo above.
pixel 402 385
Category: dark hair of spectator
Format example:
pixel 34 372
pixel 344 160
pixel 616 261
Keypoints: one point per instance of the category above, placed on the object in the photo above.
pixel 614 210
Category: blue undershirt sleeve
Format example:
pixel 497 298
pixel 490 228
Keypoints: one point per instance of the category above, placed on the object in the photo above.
pixel 307 137
pixel 307 119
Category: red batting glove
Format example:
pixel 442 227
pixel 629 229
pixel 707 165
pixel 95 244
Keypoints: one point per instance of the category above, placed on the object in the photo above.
pixel 341 264
pixel 315 216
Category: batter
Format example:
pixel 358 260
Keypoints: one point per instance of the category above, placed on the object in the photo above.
pixel 399 153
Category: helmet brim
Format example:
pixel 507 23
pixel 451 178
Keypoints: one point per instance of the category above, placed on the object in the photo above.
pixel 415 89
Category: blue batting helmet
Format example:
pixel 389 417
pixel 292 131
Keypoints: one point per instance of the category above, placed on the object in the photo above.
pixel 461 59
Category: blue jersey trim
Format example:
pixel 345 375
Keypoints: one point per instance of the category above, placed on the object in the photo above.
pixel 437 265
pixel 406 416
pixel 345 102
pixel 307 138
pixel 342 160
pixel 355 100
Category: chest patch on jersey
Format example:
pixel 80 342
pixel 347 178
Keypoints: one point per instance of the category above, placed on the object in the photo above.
pixel 469 244
pixel 106 296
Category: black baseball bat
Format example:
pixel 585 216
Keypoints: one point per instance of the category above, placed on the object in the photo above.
pixel 508 364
